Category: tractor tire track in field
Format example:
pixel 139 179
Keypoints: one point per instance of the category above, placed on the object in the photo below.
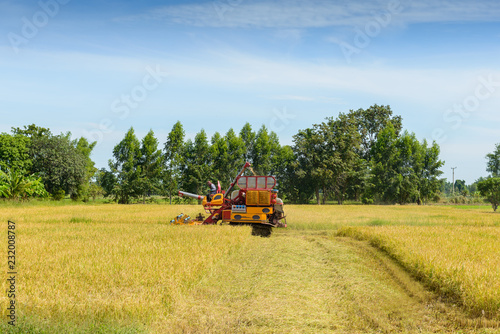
pixel 309 283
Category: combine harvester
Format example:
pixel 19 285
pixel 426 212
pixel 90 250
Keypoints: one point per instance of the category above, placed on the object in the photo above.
pixel 255 203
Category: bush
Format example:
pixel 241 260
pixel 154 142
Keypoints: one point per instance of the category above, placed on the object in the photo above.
pixel 74 197
pixel 58 195
pixel 436 198
pixel 366 200
pixel 14 185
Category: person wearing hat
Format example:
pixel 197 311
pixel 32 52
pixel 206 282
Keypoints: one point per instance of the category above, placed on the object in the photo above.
pixel 213 190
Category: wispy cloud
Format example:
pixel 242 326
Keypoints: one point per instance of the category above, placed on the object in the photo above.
pixel 322 99
pixel 292 98
pixel 231 68
pixel 320 13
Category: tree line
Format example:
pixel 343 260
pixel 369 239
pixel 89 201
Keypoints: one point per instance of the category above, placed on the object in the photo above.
pixel 140 168
pixel 36 163
pixel 362 155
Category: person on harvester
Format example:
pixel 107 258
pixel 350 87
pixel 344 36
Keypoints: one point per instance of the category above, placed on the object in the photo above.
pixel 213 191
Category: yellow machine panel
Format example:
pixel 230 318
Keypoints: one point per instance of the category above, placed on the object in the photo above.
pixel 264 198
pixel 248 217
pixel 257 210
pixel 258 197
pixel 217 200
pixel 252 197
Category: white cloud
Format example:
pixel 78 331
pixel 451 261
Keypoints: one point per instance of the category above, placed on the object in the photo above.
pixel 230 68
pixel 293 98
pixel 322 99
pixel 320 13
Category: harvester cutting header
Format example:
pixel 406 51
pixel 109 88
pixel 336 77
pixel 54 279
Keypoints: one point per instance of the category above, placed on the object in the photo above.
pixel 255 203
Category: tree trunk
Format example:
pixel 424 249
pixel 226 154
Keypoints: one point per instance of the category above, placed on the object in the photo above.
pixel 317 196
pixel 341 193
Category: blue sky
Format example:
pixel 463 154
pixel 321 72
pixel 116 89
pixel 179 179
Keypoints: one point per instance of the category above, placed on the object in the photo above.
pixel 96 68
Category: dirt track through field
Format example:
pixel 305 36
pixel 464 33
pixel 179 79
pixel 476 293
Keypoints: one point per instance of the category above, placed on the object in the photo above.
pixel 296 283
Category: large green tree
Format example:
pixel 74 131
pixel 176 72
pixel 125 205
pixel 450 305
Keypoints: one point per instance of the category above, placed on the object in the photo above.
pixel 107 181
pixel 285 174
pixel 370 122
pixel 32 131
pixel 403 169
pixel 428 172
pixel 392 176
pixel 14 152
pixel 174 149
pixel 150 166
pixel 60 164
pixel 236 153
pixel 85 148
pixel 196 167
pixel 307 166
pixel 262 151
pixel 493 164
pixel 248 137
pixel 219 158
pixel 460 186
pixel 340 162
pixel 127 155
pixel 490 188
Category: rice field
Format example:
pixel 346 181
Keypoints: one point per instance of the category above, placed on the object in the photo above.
pixel 109 266
pixel 123 269
pixel 460 262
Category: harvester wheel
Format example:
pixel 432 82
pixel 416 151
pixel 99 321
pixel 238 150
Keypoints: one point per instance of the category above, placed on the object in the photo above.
pixel 262 230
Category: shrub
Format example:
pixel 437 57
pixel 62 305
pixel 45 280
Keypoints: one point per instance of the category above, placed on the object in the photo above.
pixel 58 195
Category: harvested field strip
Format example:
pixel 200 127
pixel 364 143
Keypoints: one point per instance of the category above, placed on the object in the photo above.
pixel 461 262
pixel 295 283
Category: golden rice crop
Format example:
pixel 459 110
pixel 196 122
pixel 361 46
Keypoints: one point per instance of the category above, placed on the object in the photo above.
pixel 109 263
pixel 462 262
pixel 332 217
pixel 81 266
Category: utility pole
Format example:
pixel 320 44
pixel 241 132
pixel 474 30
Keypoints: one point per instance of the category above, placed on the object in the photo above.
pixel 453 168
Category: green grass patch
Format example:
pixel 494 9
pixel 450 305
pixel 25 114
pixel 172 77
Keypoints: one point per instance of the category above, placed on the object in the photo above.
pixel 378 222
pixel 80 220
pixel 35 325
